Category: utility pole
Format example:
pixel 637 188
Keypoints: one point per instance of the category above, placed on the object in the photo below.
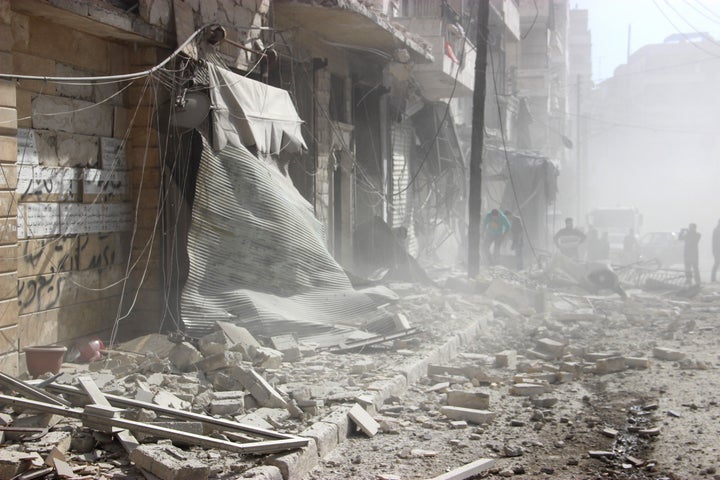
pixel 578 154
pixel 476 145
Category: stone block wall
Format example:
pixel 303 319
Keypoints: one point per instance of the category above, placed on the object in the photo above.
pixel 8 179
pixel 69 196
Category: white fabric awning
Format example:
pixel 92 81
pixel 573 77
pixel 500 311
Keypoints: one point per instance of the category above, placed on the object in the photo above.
pixel 247 112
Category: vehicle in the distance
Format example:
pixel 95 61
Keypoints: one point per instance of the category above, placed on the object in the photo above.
pixel 663 247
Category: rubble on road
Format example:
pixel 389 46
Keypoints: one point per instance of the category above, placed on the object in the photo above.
pixel 230 404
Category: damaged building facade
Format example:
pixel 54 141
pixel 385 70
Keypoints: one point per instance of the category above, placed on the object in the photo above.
pixel 123 213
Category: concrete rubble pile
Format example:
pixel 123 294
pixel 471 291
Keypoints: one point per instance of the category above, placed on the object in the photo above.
pixel 290 402
pixel 496 352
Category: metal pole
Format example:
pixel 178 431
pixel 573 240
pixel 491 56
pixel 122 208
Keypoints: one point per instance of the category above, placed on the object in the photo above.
pixel 478 125
pixel 578 154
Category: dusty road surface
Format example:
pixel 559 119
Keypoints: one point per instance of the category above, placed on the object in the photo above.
pixel 632 391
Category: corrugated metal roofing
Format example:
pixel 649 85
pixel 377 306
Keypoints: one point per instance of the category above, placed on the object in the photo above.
pixel 258 257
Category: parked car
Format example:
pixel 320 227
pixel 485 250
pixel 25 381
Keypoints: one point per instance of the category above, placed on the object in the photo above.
pixel 663 247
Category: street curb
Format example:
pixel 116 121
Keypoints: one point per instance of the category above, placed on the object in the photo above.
pixel 330 431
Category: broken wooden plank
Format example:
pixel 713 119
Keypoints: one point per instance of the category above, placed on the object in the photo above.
pixel 116 400
pixel 270 446
pixel 467 471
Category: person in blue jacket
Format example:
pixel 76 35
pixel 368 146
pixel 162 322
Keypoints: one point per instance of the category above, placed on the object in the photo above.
pixel 495 228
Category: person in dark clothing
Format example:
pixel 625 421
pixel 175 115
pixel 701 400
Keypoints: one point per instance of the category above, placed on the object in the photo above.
pixel 631 248
pixel 516 235
pixel 691 237
pixel 568 239
pixel 716 251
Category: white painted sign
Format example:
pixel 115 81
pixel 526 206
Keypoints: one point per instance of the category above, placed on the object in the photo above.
pixel 46 183
pixel 81 218
pixel 112 156
pixel 27 148
pixel 38 220
pixel 113 184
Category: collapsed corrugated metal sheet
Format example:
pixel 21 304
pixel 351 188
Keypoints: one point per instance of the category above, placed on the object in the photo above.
pixel 258 257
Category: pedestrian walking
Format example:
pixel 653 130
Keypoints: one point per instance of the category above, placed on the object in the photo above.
pixel 568 239
pixel 716 251
pixel 495 227
pixel 691 237
pixel 517 237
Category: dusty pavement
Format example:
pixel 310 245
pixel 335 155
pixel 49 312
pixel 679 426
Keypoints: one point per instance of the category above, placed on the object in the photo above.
pixel 559 385
pixel 632 392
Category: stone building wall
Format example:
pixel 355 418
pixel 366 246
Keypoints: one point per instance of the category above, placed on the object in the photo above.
pixel 81 190
pixel 72 201
pixel 8 237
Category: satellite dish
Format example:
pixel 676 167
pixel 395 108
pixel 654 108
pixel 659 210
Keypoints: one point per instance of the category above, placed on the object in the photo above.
pixel 194 111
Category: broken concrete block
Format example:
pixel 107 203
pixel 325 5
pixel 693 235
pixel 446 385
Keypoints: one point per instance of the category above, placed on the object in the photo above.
pixel 574 368
pixel 637 362
pixel 610 365
pixel 506 359
pixel 231 394
pixel 213 343
pixel 288 346
pixel 470 415
pixel 238 338
pixel 258 387
pixel 362 366
pixel 539 355
pixel 551 347
pixel 595 356
pixel 528 389
pixel 167 399
pixel 609 432
pixel 220 361
pixel 13 463
pixel 169 463
pixel 156 343
pixel 339 417
pixel 363 420
pixel 227 406
pixel 263 472
pixel 60 439
pixel 297 464
pixel 475 400
pixel 325 435
pixel 668 354
pixel 184 356
pixel 265 357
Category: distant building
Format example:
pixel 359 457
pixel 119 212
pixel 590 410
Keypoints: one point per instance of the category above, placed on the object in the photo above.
pixel 652 134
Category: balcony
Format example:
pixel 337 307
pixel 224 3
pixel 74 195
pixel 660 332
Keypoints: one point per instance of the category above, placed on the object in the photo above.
pixel 437 79
pixel 453 71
